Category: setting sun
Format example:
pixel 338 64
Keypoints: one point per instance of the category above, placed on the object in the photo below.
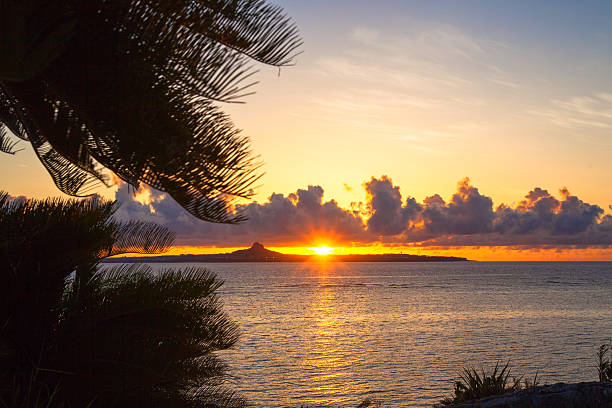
pixel 322 250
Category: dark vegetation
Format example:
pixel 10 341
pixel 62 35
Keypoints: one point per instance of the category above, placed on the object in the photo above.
pixel 133 86
pixel 75 335
pixel 474 385
pixel 604 363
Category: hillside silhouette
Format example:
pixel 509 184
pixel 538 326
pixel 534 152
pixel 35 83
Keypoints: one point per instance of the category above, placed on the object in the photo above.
pixel 258 253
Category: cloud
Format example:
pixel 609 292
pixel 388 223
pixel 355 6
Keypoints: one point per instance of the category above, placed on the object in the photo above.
pixel 468 212
pixel 592 111
pixel 388 216
pixel 12 199
pixel 539 220
pixel 293 219
pixel 431 73
pixel 540 211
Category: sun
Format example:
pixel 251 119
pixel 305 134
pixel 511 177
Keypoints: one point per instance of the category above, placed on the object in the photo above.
pixel 322 250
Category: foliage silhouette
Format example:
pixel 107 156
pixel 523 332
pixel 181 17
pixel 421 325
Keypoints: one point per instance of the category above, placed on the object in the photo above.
pixel 473 385
pixel 132 86
pixel 144 339
pixel 73 334
pixel 604 363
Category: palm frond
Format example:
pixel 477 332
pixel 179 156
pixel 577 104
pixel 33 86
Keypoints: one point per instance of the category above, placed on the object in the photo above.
pixel 138 330
pixel 122 336
pixel 140 237
pixel 37 35
pixel 7 145
pixel 267 35
pixel 214 397
pixel 73 171
pixel 12 115
pixel 135 89
pixel 41 243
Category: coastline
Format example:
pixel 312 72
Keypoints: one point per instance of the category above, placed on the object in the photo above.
pixel 257 253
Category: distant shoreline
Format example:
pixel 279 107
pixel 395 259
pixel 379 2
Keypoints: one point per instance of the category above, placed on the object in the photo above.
pixel 257 253
pixel 314 258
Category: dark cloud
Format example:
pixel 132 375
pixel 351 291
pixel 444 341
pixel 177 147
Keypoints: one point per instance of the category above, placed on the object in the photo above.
pixel 539 220
pixel 468 212
pixel 574 216
pixel 541 215
pixel 534 213
pixel 297 218
pixel 388 216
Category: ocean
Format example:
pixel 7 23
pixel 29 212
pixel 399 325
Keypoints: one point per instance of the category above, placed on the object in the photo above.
pixel 333 334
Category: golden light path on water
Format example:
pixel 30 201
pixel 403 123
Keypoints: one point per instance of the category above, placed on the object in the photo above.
pixel 323 356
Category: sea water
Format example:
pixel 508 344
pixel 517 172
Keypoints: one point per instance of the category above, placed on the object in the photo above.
pixel 333 334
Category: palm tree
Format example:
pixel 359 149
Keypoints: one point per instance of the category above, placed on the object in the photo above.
pixel 132 86
pixel 145 339
pixel 121 336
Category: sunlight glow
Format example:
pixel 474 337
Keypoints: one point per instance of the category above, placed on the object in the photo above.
pixel 143 195
pixel 322 250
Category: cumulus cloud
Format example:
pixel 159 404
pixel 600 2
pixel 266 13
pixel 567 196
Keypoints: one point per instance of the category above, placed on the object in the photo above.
pixel 294 219
pixel 468 218
pixel 541 212
pixel 468 212
pixel 388 216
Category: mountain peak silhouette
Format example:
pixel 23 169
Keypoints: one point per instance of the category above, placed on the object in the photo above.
pixel 256 246
pixel 257 251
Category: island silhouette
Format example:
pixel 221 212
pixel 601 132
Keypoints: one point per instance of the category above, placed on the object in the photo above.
pixel 257 253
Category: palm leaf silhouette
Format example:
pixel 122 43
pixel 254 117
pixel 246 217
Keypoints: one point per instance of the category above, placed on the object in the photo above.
pixel 134 90
pixel 142 330
pixel 73 333
pixel 7 145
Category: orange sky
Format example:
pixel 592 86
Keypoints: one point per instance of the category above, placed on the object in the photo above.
pixel 482 253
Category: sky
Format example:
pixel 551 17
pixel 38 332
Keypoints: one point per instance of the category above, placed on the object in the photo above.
pixel 469 128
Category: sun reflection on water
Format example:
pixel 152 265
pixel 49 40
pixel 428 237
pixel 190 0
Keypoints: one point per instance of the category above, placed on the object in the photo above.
pixel 327 369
